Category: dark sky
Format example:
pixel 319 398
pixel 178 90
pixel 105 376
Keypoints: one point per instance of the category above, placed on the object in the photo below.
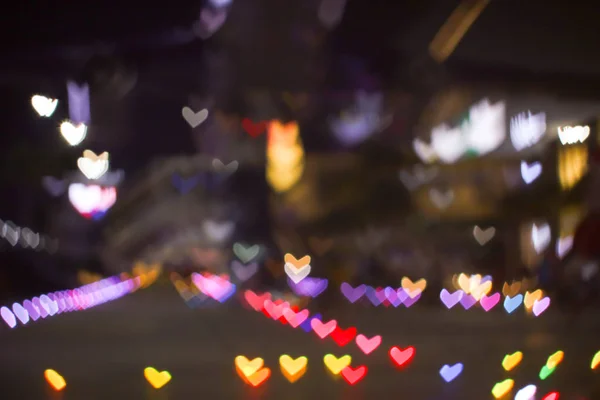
pixel 534 33
pixel 47 42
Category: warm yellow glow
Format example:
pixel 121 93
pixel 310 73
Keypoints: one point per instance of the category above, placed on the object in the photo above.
pixel 455 28
pixel 569 218
pixel 572 165
pixel 285 155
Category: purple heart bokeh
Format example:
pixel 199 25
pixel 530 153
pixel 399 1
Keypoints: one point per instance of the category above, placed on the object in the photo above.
pixel 31 309
pixel 8 317
pixel 310 287
pixel 409 301
pixel 79 102
pixel 449 373
pixel 451 299
pixel 352 294
pixel 42 308
pixel 244 272
pixel 54 186
pixel 183 185
pixel 374 296
pixel 392 296
pixel 21 313
pixel 468 301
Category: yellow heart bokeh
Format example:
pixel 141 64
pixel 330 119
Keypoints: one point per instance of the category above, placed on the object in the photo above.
pixel 464 283
pixel 155 378
pixel 511 290
pixel 555 359
pixel 412 287
pixel 55 380
pixel 500 389
pixel 474 282
pixel 247 367
pixel 531 298
pixel 258 377
pixel 512 360
pixel 336 365
pixel 479 291
pixel 293 369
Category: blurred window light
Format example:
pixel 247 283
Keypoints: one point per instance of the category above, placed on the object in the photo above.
pixel 448 143
pixel 285 156
pixel 485 130
pixel 527 129
pixel 572 165
pixel 573 134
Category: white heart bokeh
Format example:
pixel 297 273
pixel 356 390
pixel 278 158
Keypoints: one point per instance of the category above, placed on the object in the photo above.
pixel 44 106
pixel 88 199
pixel 486 128
pixel 73 134
pixel 92 166
pixel 448 143
pixel 540 236
pixel 530 172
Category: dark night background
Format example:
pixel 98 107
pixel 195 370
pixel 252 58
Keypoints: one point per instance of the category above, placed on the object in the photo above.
pixel 143 64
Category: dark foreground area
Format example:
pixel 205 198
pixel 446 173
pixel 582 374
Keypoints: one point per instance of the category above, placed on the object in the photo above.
pixel 102 352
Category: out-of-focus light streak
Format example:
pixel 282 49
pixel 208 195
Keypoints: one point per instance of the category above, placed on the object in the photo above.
pixel 573 134
pixel 26 237
pixel 81 298
pixel 572 165
pixel 527 129
pixel 79 102
pixel 455 28
pixel 285 155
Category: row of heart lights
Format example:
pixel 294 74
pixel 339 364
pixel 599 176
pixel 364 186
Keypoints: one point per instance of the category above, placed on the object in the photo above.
pixel 481 133
pixel 484 131
pixel 68 300
pixel 218 287
pixel 526 130
pixel 470 290
pixel 82 298
pixel 26 238
pixel 91 201
pixel 253 373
